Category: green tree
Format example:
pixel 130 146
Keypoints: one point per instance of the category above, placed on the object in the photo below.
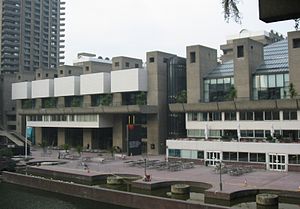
pixel 79 150
pixel 141 98
pixel 232 94
pixel 181 97
pixel 292 90
pixel 106 100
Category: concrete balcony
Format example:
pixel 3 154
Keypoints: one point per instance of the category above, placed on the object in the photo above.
pixel 282 104
pixel 124 109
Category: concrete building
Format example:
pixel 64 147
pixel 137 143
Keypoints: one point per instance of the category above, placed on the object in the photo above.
pixel 243 111
pixel 31 34
pixel 98 103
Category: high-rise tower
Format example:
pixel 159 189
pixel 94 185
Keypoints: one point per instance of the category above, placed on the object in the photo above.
pixel 31 34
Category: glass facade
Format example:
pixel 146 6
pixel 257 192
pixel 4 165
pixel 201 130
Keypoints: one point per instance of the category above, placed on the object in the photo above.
pixel 218 89
pixel 176 69
pixel 272 86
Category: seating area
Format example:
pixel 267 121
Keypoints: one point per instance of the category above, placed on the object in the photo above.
pixel 233 170
pixel 161 165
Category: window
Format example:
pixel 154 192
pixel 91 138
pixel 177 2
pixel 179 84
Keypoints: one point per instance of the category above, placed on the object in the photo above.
pixel 47 75
pixel 193 116
pixel 136 65
pixel 230 115
pixel 269 115
pixel 296 43
pixel 294 159
pixel 257 157
pixel 246 115
pixel 192 57
pixel 258 116
pixel 214 116
pixel 174 152
pixel 290 115
pixel 61 72
pixel 87 68
pixel 151 59
pixel 259 133
pixel 39 75
pixel 230 156
pixel 200 154
pixel 117 64
pixel 243 156
pixel 127 64
pixel 70 72
pixel 240 51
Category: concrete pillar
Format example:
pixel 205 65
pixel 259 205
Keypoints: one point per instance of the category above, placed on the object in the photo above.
pixel 294 61
pixel 117 99
pixel 200 61
pixel 87 137
pixel 60 102
pixel 87 101
pixel 157 95
pixel 248 55
pixel 38 103
pixel 60 136
pixel 119 133
pixel 19 117
pixel 38 135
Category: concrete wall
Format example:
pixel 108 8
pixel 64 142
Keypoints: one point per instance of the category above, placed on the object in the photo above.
pixel 157 95
pixel 294 61
pixel 42 88
pixel 67 86
pixel 126 199
pixel 246 65
pixel 21 90
pixel 60 136
pixel 120 63
pixel 96 83
pixel 205 61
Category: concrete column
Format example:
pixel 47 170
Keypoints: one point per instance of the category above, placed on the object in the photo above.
pixel 38 135
pixel 87 137
pixel 117 99
pixel 294 61
pixel 119 133
pixel 60 102
pixel 200 61
pixel 250 57
pixel 18 117
pixel 87 101
pixel 38 103
pixel 60 136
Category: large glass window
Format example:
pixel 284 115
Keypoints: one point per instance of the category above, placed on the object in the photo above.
pixel 218 89
pixel 174 152
pixel 246 115
pixel 290 115
pixel 230 115
pixel 257 157
pixel 294 159
pixel 274 86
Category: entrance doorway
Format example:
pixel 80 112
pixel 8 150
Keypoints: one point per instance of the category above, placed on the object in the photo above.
pixel 213 157
pixel 277 162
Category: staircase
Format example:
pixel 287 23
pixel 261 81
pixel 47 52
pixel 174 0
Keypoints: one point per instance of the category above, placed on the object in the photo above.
pixel 13 137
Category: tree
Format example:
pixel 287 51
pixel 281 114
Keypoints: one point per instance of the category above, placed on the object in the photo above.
pixel 292 90
pixel 141 98
pixel 231 10
pixel 232 94
pixel 181 97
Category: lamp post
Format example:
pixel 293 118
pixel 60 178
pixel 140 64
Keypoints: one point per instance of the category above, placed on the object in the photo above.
pixel 145 167
pixel 26 140
pixel 221 186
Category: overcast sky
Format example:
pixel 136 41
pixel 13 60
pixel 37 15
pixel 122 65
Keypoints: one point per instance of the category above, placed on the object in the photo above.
pixel 112 28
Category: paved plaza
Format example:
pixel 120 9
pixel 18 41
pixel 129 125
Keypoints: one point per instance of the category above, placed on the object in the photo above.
pixel 258 179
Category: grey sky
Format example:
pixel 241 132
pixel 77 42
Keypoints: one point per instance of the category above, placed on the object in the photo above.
pixel 132 27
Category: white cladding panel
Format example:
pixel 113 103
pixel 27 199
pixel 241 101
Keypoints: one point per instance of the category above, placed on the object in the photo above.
pixel 245 125
pixel 286 148
pixel 67 86
pixel 42 88
pixel 21 90
pixel 95 83
pixel 129 80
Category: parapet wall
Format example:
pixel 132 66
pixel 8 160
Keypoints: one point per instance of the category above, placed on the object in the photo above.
pixel 125 199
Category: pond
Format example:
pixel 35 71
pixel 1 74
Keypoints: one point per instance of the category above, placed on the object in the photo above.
pixel 18 197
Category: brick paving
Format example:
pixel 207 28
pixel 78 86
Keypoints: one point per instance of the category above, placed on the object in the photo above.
pixel 258 179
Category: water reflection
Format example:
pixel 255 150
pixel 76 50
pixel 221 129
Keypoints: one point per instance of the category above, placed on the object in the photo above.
pixel 17 197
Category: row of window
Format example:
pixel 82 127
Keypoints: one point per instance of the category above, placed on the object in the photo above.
pixel 231 116
pixel 54 118
pixel 200 133
pixel 228 156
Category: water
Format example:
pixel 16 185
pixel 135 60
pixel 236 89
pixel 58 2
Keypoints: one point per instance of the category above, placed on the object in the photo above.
pixel 18 197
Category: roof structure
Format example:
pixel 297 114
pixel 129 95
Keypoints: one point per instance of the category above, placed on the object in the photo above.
pixel 275 61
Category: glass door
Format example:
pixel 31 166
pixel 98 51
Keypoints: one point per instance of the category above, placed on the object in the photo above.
pixel 277 162
pixel 213 157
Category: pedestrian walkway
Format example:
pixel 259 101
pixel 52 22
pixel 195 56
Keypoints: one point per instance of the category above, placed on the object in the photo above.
pixel 257 179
